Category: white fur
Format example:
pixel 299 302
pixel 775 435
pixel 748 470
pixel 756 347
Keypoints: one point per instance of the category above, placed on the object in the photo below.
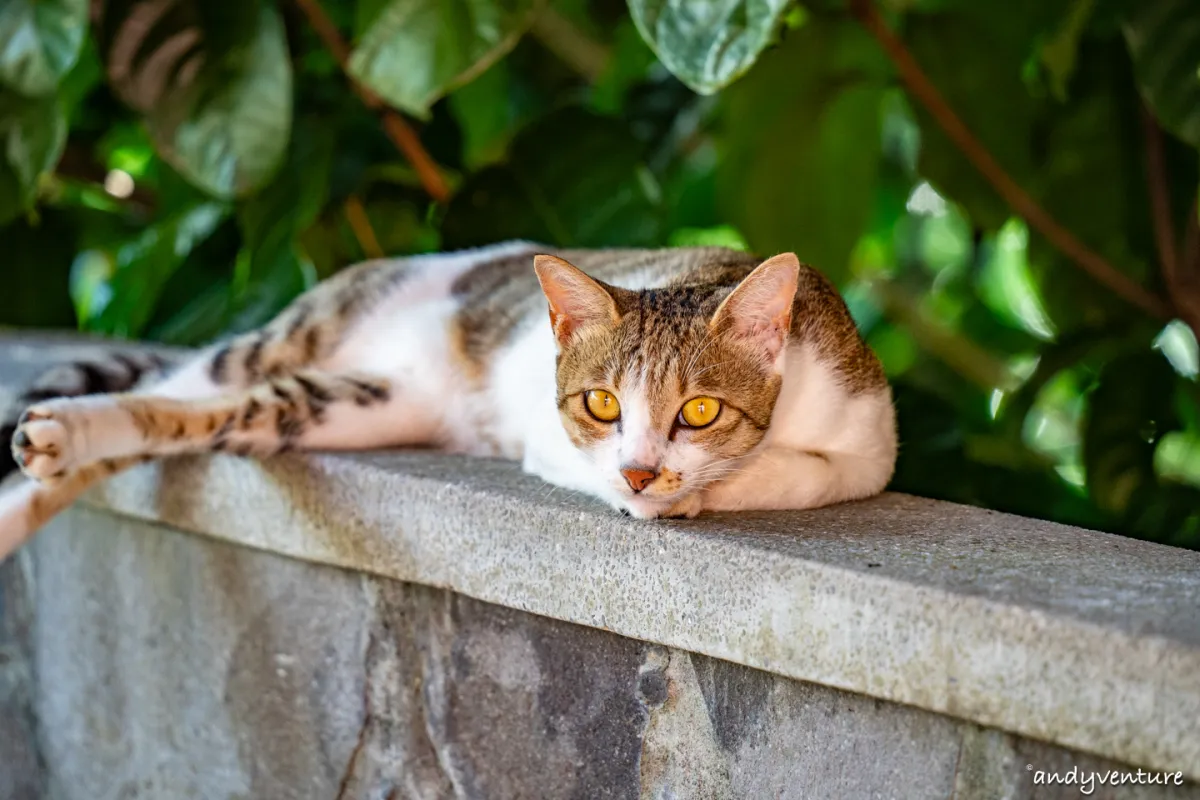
pixel 854 435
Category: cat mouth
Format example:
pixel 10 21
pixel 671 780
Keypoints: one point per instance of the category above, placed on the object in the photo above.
pixel 644 507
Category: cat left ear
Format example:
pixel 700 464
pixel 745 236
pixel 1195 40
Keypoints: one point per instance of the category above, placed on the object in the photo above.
pixel 576 300
pixel 760 308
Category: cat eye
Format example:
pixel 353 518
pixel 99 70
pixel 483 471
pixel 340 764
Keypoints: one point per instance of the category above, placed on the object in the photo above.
pixel 602 405
pixel 699 412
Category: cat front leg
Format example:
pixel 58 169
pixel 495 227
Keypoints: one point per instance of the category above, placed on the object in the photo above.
pixel 780 479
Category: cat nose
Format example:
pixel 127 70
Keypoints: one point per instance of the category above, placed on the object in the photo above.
pixel 638 478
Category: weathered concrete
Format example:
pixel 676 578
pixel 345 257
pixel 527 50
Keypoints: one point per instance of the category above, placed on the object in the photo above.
pixel 21 772
pixel 1079 638
pixel 172 666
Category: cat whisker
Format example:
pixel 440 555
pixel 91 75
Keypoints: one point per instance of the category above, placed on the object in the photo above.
pixel 707 342
pixel 709 367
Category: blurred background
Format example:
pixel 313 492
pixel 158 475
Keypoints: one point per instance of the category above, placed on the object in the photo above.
pixel 1005 190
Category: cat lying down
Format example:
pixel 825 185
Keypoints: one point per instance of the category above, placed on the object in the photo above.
pixel 664 382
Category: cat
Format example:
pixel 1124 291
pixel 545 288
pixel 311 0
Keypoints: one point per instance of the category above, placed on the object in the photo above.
pixel 663 382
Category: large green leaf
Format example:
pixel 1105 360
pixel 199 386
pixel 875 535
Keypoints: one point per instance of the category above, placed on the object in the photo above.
pixel 39 42
pixel 32 134
pixel 1164 40
pixel 415 51
pixel 801 145
pixel 1095 186
pixel 974 56
pixel 214 82
pixel 572 179
pixel 708 45
pixel 118 288
pixel 272 267
pixel 486 116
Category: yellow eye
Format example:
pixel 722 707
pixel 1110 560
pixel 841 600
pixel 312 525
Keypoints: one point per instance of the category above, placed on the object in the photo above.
pixel 699 411
pixel 602 405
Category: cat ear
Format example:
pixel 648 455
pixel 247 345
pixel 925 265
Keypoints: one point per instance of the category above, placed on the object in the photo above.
pixel 575 299
pixel 760 308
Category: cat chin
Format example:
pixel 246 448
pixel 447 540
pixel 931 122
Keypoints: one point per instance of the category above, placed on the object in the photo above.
pixel 674 507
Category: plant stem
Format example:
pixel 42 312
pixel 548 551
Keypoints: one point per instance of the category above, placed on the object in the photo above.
pixel 399 131
pixel 1180 273
pixel 1160 200
pixel 360 224
pixel 573 47
pixel 1017 198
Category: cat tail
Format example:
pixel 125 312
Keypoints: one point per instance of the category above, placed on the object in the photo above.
pixel 113 372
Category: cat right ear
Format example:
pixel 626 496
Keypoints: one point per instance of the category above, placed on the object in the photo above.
pixel 576 300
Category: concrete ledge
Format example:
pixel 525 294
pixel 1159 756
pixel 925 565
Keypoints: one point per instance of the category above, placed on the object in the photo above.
pixel 1078 638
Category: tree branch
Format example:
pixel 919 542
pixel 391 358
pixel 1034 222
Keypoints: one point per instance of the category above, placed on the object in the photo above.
pixel 572 46
pixel 399 131
pixel 1160 199
pixel 1017 198
pixel 360 224
pixel 1181 276
pixel 1191 241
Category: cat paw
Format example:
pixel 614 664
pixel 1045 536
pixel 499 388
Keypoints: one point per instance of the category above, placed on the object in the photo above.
pixel 41 443
pixel 687 508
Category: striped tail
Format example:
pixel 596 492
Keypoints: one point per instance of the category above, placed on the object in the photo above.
pixel 116 372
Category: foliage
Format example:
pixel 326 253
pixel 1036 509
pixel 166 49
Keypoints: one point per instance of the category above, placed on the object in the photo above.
pixel 179 169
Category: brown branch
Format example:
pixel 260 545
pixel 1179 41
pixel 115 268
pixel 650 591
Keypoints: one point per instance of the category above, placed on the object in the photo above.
pixel 572 46
pixel 1191 241
pixel 360 224
pixel 1017 198
pixel 1184 282
pixel 1160 199
pixel 399 131
pixel 1180 274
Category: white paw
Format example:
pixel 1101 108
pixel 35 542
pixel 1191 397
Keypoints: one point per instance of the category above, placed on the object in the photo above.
pixel 41 445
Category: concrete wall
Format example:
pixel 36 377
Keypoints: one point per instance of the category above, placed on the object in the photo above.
pixel 173 666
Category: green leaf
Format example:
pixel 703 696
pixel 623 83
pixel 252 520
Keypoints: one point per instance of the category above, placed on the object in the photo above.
pixel 128 278
pixel 1130 410
pixel 1059 53
pixel 214 82
pixel 37 263
pixel 39 42
pixel 801 144
pixel 273 219
pixel 415 51
pixel 708 45
pixel 974 56
pixel 485 115
pixel 32 135
pixel 1164 40
pixel 572 179
pixel 272 266
pixel 1095 186
pixel 630 64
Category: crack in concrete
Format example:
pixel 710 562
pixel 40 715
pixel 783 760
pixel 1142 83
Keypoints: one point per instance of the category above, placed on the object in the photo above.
pixel 368 719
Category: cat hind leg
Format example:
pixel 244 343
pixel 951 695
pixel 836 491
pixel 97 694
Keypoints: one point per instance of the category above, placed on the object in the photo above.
pixel 59 436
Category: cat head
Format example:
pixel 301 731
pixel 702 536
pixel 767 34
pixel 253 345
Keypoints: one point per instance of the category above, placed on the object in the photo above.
pixel 665 389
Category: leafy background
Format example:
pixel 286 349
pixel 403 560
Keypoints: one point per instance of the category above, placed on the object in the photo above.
pixel 1005 191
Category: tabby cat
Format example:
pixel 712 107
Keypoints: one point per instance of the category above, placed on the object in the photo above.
pixel 664 382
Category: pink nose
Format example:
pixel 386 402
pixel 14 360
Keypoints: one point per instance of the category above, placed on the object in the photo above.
pixel 638 478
